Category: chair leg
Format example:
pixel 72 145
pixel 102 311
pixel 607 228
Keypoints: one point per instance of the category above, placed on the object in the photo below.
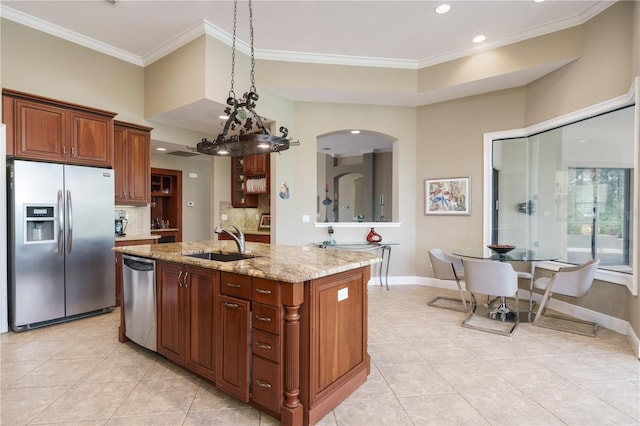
pixel 474 305
pixel 462 300
pixel 542 308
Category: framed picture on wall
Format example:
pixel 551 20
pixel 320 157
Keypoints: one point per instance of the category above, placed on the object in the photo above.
pixel 447 196
pixel 265 221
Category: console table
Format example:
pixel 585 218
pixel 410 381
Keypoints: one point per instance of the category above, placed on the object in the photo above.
pixel 385 253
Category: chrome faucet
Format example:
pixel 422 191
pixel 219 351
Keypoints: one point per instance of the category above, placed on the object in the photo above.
pixel 239 238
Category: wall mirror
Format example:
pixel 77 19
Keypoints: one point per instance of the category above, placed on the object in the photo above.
pixel 355 177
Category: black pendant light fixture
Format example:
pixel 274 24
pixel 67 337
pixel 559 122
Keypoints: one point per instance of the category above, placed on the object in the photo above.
pixel 244 132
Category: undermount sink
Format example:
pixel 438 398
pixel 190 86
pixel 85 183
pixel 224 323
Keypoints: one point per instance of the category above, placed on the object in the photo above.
pixel 221 257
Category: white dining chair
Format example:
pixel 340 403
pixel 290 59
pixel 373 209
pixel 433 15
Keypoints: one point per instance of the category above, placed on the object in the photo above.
pixel 574 281
pixel 448 268
pixel 496 279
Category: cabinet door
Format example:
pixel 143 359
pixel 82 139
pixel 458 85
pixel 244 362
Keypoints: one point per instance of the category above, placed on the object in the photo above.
pixel 40 131
pixel 120 165
pixel 91 139
pixel 255 164
pixel 171 321
pixel 139 166
pixel 8 115
pixel 232 367
pixel 202 287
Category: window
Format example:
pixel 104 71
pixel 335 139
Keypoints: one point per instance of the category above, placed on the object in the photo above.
pixel 568 190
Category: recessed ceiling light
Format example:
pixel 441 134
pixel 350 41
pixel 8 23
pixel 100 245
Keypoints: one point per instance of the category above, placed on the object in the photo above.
pixel 161 149
pixel 355 132
pixel 479 38
pixel 223 117
pixel 538 1
pixel 443 8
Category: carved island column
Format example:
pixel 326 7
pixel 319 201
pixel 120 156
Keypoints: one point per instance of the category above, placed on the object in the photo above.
pixel 292 410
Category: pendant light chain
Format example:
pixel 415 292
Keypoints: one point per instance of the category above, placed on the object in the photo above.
pixel 244 132
pixel 253 60
pixel 232 93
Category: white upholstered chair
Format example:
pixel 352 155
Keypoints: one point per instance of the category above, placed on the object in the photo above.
pixel 572 281
pixel 496 279
pixel 449 268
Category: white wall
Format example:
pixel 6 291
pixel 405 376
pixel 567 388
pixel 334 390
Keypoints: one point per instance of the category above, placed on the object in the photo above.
pixel 196 219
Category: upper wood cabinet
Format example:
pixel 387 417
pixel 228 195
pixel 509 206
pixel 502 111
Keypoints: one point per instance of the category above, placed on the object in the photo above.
pixel 132 163
pixel 45 129
pixel 255 165
pixel 238 196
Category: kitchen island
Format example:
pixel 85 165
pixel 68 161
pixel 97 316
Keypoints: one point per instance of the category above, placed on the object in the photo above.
pixel 284 330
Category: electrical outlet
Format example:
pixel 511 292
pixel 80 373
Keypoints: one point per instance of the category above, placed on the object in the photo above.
pixel 224 217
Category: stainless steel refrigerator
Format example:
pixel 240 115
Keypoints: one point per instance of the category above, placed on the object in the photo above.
pixel 60 235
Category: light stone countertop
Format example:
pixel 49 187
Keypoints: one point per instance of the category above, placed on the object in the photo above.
pixel 274 262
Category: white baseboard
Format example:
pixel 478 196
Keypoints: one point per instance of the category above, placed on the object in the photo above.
pixel 612 323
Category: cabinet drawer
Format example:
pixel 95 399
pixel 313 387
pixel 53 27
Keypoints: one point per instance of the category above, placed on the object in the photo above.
pixel 266 318
pixel 266 345
pixel 266 291
pixel 267 384
pixel 235 285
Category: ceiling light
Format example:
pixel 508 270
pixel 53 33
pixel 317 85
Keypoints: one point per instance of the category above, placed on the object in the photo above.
pixel 244 132
pixel 443 8
pixel 538 1
pixel 223 117
pixel 479 39
pixel 161 149
pixel 355 132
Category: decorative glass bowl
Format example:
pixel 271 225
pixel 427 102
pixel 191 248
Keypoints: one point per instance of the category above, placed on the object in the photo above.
pixel 500 248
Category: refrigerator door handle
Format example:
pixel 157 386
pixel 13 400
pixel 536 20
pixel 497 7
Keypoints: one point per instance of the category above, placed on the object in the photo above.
pixel 60 225
pixel 70 218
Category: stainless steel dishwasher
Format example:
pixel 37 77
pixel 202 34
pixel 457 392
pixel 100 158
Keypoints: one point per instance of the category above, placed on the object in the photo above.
pixel 139 294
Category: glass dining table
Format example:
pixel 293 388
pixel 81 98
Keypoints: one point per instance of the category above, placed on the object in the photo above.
pixel 515 255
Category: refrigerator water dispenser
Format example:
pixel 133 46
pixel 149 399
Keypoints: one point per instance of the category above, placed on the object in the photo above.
pixel 40 224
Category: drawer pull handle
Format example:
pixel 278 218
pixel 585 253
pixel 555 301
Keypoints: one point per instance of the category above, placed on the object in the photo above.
pixel 234 285
pixel 263 346
pixel 261 291
pixel 263 384
pixel 265 319
pixel 231 305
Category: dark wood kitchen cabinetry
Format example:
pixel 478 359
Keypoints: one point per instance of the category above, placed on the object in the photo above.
pixel 50 130
pixel 238 197
pixel 132 163
pixel 249 177
pixel 166 204
pixel 186 298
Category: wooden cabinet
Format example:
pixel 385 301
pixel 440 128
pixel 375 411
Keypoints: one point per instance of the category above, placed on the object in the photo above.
pixel 186 298
pixel 166 204
pixel 50 130
pixel 257 164
pixel 132 163
pixel 249 177
pixel 233 335
pixel 249 237
pixel 267 344
pixel 256 174
pixel 238 197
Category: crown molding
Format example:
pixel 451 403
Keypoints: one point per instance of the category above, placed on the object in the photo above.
pixel 205 27
pixel 65 34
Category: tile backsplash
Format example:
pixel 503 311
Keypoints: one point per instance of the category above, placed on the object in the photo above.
pixel 138 219
pixel 245 218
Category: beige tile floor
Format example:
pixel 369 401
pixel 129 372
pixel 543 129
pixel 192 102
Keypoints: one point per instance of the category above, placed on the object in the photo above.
pixel 426 369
